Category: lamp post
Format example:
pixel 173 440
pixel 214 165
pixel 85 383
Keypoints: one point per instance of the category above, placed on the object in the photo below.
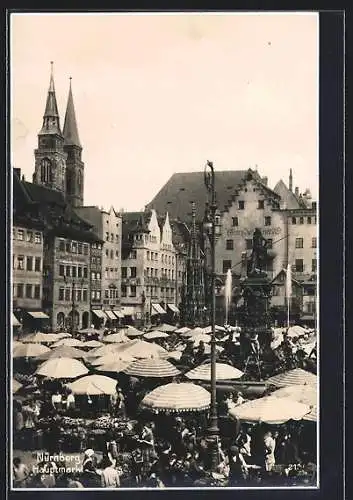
pixel 212 227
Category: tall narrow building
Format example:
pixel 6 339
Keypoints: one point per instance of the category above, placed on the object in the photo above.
pixel 50 166
pixel 73 150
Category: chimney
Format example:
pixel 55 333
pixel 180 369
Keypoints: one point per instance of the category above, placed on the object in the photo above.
pixel 17 171
pixel 290 180
pixel 297 191
pixel 265 181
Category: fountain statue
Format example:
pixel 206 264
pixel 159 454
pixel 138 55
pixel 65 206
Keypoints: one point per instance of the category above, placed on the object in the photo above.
pixel 228 294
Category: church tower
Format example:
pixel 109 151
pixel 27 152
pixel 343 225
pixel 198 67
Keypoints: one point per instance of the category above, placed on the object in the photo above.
pixel 50 167
pixel 73 150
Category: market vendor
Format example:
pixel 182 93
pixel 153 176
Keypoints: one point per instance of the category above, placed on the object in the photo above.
pixel 146 441
pixel 56 400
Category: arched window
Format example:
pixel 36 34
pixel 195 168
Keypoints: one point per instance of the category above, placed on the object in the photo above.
pixel 79 179
pixel 85 319
pixel 60 319
pixel 46 174
pixel 69 182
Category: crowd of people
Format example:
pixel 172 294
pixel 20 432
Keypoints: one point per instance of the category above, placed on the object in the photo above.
pixel 166 449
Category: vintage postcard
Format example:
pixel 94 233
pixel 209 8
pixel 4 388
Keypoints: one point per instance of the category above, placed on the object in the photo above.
pixel 165 329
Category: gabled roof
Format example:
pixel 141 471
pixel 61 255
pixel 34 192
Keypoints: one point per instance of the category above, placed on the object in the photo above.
pixel 289 200
pixel 183 188
pixel 70 131
pixel 58 216
pixel 42 194
pixel 283 273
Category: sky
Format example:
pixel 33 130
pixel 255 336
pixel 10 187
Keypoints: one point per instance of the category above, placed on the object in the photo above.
pixel 157 94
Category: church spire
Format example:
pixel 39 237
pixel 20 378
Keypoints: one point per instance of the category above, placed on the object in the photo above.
pixel 70 125
pixel 51 120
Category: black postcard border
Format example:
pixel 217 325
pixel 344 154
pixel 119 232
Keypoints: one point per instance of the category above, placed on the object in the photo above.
pixel 331 161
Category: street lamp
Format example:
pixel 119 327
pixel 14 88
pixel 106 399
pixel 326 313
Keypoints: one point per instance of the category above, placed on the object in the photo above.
pixel 212 228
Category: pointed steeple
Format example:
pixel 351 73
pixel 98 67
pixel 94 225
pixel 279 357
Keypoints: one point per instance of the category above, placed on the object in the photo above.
pixel 70 125
pixel 51 120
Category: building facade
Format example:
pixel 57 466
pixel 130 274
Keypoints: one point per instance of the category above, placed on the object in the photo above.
pixel 153 268
pixel 108 226
pixel 66 282
pixel 286 218
pixel 27 277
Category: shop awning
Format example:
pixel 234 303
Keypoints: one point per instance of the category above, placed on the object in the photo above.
pixel 99 313
pixel 118 314
pixel 110 314
pixel 38 314
pixel 173 308
pixel 15 321
pixel 157 309
pixel 128 311
pixel 308 317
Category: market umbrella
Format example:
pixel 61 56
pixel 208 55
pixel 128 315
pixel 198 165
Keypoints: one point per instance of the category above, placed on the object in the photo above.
pixel 142 349
pixel 166 328
pixel 116 338
pixel 93 385
pixel 63 335
pixel 298 376
pixel 116 366
pixel 29 350
pixel 62 368
pixel 41 337
pixel 90 331
pixel 306 394
pixel 296 331
pixel 69 343
pixel 104 350
pixel 193 332
pixel 63 352
pixel 130 331
pixel 152 367
pixel 196 339
pixel 176 355
pixel 175 397
pixel 93 344
pixel 16 386
pixel 218 328
pixel 270 410
pixel 156 334
pixel 112 357
pixel 183 329
pixel 312 416
pixel 223 372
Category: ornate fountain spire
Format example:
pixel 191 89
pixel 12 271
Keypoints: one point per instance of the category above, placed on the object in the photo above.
pixel 193 296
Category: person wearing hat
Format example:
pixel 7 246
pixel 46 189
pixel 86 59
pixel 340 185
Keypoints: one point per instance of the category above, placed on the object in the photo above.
pixel 238 471
pixel 238 400
pixel 90 478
